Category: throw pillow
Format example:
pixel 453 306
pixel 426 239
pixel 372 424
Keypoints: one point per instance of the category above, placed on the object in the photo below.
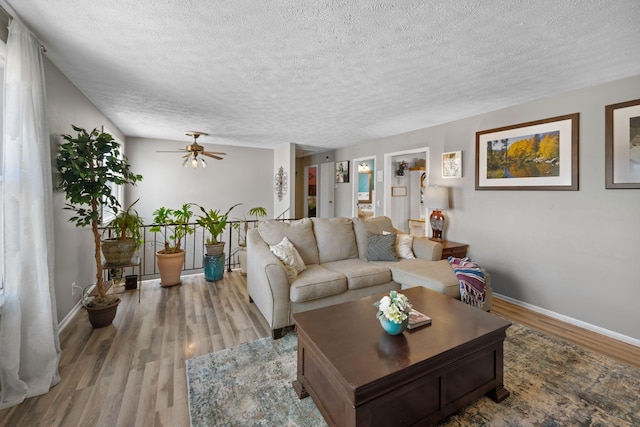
pixel 290 258
pixel 404 242
pixel 381 247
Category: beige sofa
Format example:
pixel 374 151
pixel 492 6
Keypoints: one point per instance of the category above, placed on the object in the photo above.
pixel 336 267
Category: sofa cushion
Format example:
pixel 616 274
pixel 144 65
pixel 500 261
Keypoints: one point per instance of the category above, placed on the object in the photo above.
pixel 436 275
pixel 336 239
pixel 362 228
pixel 404 242
pixel 381 247
pixel 290 258
pixel 299 232
pixel 360 274
pixel 317 282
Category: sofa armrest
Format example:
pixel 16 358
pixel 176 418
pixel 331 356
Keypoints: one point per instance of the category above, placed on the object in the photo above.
pixel 267 282
pixel 424 248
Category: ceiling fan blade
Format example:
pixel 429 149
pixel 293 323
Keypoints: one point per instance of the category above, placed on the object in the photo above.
pixel 186 155
pixel 181 150
pixel 216 152
pixel 204 153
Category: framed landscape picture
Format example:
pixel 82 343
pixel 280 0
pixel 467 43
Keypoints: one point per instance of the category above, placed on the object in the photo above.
pixel 539 155
pixel 452 164
pixel 622 145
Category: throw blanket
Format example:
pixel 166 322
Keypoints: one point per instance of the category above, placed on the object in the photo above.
pixel 471 280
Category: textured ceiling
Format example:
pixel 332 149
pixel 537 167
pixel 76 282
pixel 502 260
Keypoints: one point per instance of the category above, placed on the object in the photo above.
pixel 327 73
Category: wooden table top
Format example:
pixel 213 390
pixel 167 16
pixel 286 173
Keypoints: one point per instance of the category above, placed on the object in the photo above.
pixel 351 338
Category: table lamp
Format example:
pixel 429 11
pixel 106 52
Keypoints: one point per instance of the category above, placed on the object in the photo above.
pixel 437 199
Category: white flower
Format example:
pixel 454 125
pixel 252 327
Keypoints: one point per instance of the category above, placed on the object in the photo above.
pixel 395 307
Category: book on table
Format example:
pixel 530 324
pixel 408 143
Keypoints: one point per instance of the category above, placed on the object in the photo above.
pixel 417 319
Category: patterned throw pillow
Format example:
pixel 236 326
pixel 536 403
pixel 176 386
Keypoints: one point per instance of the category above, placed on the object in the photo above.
pixel 290 258
pixel 404 243
pixel 381 247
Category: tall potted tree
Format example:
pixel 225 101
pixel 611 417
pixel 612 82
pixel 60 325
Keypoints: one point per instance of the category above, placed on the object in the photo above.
pixel 174 224
pixel 90 164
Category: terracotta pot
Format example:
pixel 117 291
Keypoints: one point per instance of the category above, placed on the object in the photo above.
pixel 99 317
pixel 170 266
pixel 216 249
pixel 118 252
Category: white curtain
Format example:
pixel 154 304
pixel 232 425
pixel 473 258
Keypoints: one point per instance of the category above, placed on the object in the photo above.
pixel 29 343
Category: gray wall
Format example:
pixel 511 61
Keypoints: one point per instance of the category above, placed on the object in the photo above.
pixel 244 176
pixel 574 253
pixel 74 260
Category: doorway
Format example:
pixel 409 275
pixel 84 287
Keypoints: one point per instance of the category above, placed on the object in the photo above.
pixel 310 191
pixel 406 175
pixel 364 192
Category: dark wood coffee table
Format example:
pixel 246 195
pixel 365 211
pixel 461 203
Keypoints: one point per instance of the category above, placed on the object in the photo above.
pixel 358 375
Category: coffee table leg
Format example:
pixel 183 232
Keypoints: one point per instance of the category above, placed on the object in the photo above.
pixel 499 394
pixel 300 390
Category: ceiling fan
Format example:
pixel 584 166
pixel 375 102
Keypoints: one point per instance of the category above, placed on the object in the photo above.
pixel 194 150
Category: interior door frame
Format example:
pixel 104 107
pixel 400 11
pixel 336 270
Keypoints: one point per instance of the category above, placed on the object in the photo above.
pixel 354 186
pixel 389 173
pixel 306 189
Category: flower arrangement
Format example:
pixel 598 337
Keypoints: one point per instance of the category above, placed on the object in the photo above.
pixel 402 166
pixel 394 307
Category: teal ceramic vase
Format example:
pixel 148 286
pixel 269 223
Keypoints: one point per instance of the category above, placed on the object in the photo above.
pixel 213 267
pixel 393 328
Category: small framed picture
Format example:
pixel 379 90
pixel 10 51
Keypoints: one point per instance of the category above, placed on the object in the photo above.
pixel 622 145
pixel 342 171
pixel 399 191
pixel 452 164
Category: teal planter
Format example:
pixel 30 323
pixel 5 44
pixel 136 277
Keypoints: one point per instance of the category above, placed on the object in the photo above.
pixel 393 328
pixel 213 267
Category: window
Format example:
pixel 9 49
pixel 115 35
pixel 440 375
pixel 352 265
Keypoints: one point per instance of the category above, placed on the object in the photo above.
pixel 116 190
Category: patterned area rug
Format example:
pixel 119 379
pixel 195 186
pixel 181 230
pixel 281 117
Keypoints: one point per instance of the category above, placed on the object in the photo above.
pixel 552 383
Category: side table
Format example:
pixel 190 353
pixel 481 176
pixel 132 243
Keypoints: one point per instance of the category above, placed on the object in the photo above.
pixel 455 249
pixel 133 264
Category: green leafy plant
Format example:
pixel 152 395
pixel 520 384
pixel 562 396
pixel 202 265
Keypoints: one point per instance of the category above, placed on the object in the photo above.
pixel 174 224
pixel 215 222
pixel 89 165
pixel 127 225
pixel 255 212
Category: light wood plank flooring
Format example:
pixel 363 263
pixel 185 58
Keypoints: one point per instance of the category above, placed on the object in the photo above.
pixel 133 372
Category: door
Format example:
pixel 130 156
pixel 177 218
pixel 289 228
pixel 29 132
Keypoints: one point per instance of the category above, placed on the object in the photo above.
pixel 325 207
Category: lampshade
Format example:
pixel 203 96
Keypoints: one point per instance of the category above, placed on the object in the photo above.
pixel 437 198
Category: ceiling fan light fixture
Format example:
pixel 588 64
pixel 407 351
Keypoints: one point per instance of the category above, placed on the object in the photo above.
pixel 186 162
pixel 194 162
pixel 204 164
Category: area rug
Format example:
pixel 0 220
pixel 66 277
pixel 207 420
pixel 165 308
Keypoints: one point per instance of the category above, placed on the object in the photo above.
pixel 552 383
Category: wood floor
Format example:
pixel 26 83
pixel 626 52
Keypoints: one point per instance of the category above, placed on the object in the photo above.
pixel 133 372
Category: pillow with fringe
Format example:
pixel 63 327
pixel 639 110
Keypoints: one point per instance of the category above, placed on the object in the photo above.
pixel 290 258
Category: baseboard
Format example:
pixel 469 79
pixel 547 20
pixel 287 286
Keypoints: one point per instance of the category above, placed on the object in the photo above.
pixel 69 316
pixel 571 320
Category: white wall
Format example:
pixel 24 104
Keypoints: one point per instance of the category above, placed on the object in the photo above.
pixel 571 252
pixel 74 247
